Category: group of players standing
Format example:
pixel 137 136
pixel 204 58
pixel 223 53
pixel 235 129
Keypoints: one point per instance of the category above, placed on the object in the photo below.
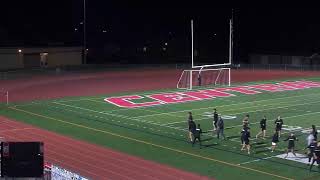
pixel 218 127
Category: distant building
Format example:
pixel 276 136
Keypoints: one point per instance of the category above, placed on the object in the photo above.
pixel 39 57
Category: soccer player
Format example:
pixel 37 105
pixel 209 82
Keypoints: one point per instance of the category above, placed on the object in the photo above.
pixel 311 147
pixel 215 119
pixel 316 156
pixel 279 123
pixel 292 138
pixel 246 141
pixel 220 129
pixel 314 132
pixel 263 126
pixel 245 121
pixel 310 138
pixel 191 126
pixel 197 135
pixel 275 140
pixel 244 129
pixel 199 79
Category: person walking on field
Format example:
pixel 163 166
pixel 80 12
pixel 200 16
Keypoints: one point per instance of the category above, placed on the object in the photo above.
pixel 191 126
pixel 279 123
pixel 220 130
pixel 197 136
pixel 215 119
pixel 263 126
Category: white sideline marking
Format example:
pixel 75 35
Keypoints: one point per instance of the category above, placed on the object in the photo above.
pixel 229 105
pixel 253 111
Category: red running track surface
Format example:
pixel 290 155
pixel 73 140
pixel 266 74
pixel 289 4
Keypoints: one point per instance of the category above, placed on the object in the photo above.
pixel 90 160
pixel 86 84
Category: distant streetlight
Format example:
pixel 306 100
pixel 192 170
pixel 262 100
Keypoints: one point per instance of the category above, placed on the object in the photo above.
pixel 20 51
pixel 75 29
pixel 81 22
pixel 166 44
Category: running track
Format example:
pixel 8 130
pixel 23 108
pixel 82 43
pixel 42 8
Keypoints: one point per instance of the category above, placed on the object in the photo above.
pixel 90 160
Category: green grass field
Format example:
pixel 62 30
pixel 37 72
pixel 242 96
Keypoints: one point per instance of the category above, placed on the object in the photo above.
pixel 159 133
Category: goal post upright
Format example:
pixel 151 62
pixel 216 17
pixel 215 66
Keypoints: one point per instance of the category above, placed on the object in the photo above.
pixel 211 67
pixel 192 50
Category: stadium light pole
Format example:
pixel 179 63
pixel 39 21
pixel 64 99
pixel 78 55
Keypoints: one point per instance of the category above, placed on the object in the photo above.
pixel 84 48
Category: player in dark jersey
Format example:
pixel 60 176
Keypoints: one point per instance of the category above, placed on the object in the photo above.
pixel 191 126
pixel 311 149
pixel 220 130
pixel 197 135
pixel 246 140
pixel 243 131
pixel 263 126
pixel 314 132
pixel 279 123
pixel 215 119
pixel 275 140
pixel 316 156
pixel 199 79
pixel 292 138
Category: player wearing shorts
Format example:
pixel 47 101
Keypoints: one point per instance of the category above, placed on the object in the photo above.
pixel 246 141
pixel 316 156
pixel 197 136
pixel 191 126
pixel 275 140
pixel 243 131
pixel 314 132
pixel 291 143
pixel 312 146
pixel 263 127
pixel 278 122
pixel 215 119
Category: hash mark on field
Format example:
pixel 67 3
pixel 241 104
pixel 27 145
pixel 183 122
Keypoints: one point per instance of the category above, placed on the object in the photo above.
pixel 256 160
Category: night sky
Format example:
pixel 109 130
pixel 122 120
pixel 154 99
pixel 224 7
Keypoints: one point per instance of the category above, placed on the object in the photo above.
pixel 125 26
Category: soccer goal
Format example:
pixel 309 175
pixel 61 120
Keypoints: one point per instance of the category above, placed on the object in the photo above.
pixel 204 77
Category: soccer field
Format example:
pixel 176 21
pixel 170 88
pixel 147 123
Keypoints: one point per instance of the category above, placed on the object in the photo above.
pixel 159 133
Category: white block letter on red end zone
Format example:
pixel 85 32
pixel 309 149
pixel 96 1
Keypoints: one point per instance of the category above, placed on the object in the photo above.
pixel 173 98
pixel 124 101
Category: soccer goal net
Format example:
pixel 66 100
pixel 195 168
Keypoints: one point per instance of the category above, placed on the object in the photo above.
pixel 190 79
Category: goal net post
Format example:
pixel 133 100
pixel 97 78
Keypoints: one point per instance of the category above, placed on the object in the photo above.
pixel 204 77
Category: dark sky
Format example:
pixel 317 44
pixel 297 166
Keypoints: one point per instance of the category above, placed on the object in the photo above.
pixel 256 29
